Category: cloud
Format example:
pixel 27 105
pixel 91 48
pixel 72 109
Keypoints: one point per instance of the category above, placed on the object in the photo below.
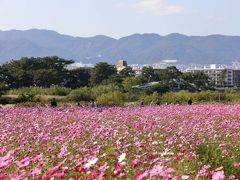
pixel 157 8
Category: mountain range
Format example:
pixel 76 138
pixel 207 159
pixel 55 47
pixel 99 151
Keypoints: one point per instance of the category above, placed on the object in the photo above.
pixel 135 49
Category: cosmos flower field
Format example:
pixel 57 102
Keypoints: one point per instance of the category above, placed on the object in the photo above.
pixel 162 142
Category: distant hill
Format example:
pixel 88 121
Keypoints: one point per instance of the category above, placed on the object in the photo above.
pixel 137 48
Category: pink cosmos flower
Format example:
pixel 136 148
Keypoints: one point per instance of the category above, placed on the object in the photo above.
pixel 23 163
pixel 50 148
pixel 236 164
pixel 41 163
pixel 158 170
pixel 135 163
pixel 2 175
pixel 36 171
pixel 138 176
pixel 59 174
pixel 219 175
pixel 203 171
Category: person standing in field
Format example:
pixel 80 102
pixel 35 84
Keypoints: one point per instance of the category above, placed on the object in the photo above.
pixel 53 103
pixel 93 104
pixel 142 103
pixel 190 102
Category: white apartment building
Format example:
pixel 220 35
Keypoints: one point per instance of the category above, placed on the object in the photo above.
pixel 221 76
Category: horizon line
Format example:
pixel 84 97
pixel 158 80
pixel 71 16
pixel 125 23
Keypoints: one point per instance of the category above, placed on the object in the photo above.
pixel 92 36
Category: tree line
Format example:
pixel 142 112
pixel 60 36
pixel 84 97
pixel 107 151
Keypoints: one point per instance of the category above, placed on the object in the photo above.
pixel 48 71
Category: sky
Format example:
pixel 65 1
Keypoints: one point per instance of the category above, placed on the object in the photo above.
pixel 119 18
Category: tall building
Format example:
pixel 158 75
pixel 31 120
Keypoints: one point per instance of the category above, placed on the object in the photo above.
pixel 121 64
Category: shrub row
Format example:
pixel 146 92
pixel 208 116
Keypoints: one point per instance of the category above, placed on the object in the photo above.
pixel 113 95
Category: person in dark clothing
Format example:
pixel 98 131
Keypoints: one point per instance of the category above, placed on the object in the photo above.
pixel 53 103
pixel 142 103
pixel 92 104
pixel 189 102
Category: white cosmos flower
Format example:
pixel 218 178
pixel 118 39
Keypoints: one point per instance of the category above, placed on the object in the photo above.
pixel 91 162
pixel 122 157
pixel 184 177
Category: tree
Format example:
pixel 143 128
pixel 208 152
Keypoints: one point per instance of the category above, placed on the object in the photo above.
pixel 78 78
pixel 118 78
pixel 129 82
pixel 28 72
pixel 101 71
pixel 169 74
pixel 148 75
pixel 160 88
pixel 222 78
pixel 198 79
pixel 3 88
pixel 127 72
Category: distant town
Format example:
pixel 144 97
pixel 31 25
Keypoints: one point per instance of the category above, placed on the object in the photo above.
pixel 215 72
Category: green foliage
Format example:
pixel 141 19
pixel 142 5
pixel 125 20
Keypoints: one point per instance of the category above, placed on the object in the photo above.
pixel 101 71
pixel 127 72
pixel 197 97
pixel 113 79
pixel 7 100
pixel 222 78
pixel 52 90
pixel 3 88
pixel 59 90
pixel 161 87
pixel 129 82
pixel 22 98
pixel 148 75
pixel 30 104
pixel 152 99
pixel 78 78
pixel 213 96
pixel 81 94
pixel 115 98
pixel 103 89
pixel 212 154
pixel 176 97
pixel 48 76
pixel 198 79
pixel 27 72
pixel 168 74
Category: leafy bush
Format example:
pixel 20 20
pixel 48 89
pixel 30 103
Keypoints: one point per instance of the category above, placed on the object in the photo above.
pixel 153 98
pixel 22 98
pixel 59 90
pixel 199 97
pixel 213 96
pixel 6 100
pixel 81 94
pixel 52 90
pixel 103 89
pixel 176 97
pixel 132 96
pixel 115 98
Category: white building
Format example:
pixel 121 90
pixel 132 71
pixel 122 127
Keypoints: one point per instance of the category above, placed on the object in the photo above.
pixel 221 76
